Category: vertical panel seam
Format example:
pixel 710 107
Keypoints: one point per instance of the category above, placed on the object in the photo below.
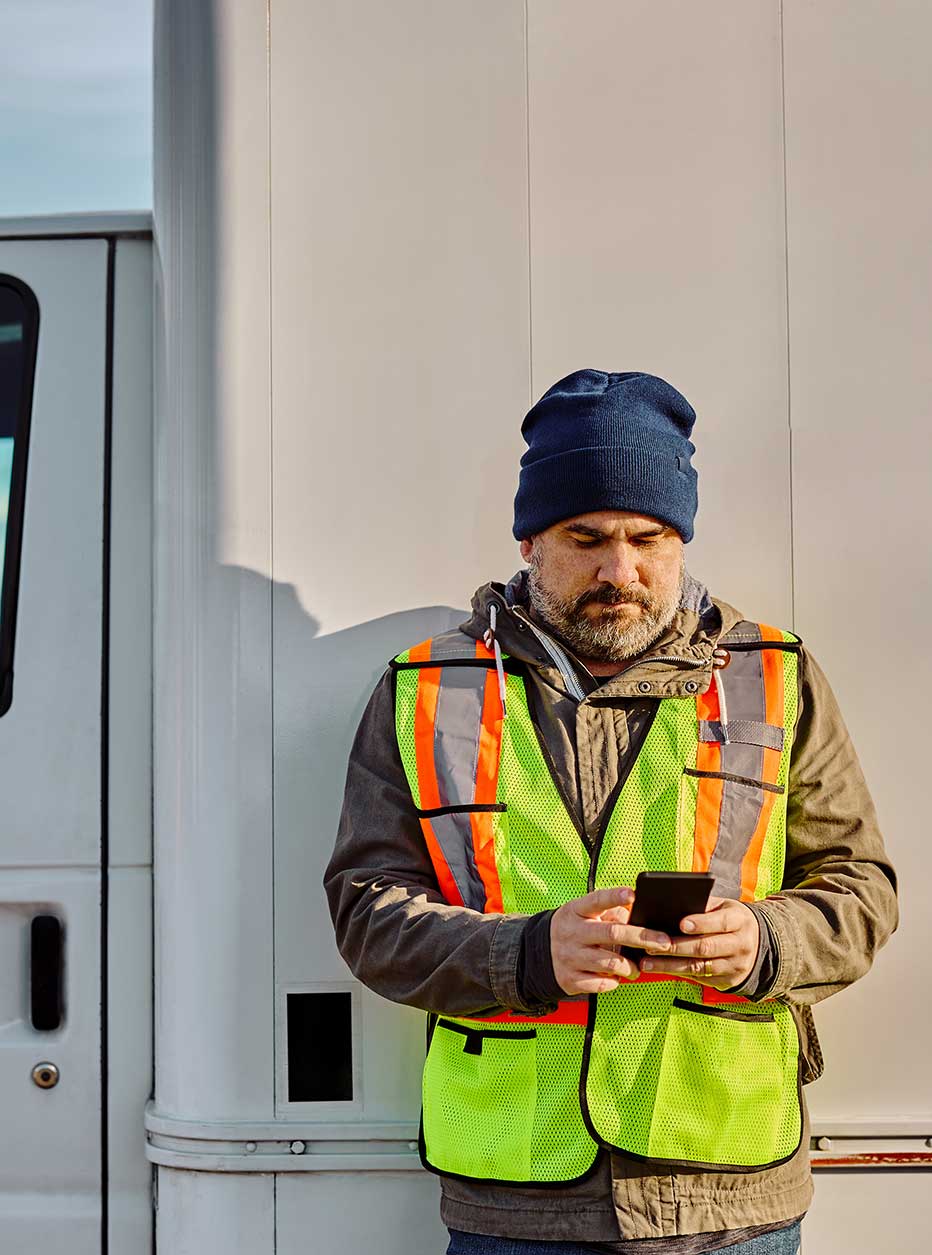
pixel 527 162
pixel 268 110
pixel 105 754
pixel 786 273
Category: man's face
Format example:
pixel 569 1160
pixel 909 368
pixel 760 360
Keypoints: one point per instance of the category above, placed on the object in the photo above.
pixel 607 582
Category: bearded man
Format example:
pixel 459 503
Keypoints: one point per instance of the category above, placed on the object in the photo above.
pixel 597 716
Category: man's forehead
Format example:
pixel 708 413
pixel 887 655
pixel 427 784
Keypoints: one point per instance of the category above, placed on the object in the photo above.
pixel 612 523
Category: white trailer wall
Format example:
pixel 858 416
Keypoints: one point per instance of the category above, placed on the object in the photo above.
pixel 383 231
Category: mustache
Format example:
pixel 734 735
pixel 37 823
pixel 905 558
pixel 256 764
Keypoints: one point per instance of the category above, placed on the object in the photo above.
pixel 608 595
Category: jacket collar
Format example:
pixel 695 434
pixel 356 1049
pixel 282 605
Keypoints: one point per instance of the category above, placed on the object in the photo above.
pixel 678 664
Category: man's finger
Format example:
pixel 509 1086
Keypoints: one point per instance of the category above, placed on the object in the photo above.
pixel 600 933
pixel 718 946
pixel 728 917
pixel 616 915
pixel 598 962
pixel 593 904
pixel 596 984
pixel 697 969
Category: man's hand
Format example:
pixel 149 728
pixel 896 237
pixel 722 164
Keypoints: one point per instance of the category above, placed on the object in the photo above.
pixel 583 934
pixel 721 950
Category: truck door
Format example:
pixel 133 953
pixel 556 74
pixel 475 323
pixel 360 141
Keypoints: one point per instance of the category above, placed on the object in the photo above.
pixel 53 400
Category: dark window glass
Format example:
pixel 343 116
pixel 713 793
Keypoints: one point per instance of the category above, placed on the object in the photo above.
pixel 320 1047
pixel 19 329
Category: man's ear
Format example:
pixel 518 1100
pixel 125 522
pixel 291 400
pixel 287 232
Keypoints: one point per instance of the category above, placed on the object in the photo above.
pixel 527 548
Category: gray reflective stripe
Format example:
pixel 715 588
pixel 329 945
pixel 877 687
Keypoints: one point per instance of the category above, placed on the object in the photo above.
pixel 454 836
pixel 747 731
pixel 743 682
pixel 453 644
pixel 456 733
pixel 741 805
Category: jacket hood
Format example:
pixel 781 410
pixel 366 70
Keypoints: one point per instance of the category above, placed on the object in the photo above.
pixel 680 657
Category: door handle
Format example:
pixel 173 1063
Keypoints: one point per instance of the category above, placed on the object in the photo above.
pixel 46 956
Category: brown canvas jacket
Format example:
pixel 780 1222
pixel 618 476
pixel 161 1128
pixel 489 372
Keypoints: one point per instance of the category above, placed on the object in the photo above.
pixel 818 935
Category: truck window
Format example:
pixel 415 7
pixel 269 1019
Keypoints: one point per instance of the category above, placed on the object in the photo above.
pixel 19 328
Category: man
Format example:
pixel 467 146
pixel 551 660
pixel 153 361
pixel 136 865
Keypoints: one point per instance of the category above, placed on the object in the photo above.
pixel 600 715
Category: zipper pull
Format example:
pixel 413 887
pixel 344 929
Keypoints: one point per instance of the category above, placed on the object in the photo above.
pixel 491 642
pixel 722 708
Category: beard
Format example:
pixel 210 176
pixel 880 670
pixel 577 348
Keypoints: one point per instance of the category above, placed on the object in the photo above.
pixel 607 637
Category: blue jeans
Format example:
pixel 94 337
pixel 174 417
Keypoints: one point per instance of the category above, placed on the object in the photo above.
pixel 781 1242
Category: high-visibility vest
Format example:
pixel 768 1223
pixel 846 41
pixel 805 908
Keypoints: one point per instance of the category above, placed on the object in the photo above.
pixel 664 1069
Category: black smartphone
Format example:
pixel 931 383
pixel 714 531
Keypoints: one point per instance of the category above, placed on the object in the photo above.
pixel 661 899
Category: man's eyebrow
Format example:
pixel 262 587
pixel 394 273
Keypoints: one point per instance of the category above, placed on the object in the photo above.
pixel 584 530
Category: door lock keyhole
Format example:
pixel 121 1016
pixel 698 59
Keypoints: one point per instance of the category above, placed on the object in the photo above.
pixel 45 1075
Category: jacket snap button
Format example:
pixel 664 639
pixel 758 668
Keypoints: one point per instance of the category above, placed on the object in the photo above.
pixel 644 686
pixel 691 686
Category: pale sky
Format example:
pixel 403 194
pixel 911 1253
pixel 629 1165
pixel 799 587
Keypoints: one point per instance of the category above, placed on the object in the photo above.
pixel 75 105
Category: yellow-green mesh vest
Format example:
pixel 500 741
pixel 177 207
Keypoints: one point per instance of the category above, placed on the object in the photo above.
pixel 655 1074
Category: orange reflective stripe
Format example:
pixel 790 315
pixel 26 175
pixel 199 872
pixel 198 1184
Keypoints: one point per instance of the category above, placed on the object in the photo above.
pixel 483 843
pixel 483 831
pixel 490 742
pixel 708 792
pixel 444 875
pixel 714 997
pixel 425 716
pixel 421 652
pixel 482 651
pixel 772 666
pixel 569 1012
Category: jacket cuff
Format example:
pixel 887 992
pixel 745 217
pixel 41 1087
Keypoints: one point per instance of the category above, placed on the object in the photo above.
pixel 784 945
pixel 504 957
pixel 536 981
pixel 759 981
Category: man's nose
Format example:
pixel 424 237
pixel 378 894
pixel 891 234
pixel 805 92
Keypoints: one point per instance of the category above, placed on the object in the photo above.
pixel 618 566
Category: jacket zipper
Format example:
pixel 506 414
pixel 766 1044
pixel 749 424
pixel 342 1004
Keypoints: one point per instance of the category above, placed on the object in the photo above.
pixel 558 656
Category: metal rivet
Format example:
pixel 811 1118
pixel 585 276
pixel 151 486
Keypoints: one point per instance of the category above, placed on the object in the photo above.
pixel 45 1075
pixel 250 1148
pixel 691 686
pixel 297 1148
pixel 824 1143
pixel 644 686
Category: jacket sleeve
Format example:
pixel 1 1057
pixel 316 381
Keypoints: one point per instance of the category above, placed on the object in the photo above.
pixel 838 902
pixel 393 927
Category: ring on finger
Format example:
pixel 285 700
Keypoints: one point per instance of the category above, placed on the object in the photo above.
pixel 705 968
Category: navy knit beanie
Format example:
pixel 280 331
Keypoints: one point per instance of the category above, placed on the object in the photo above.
pixel 600 441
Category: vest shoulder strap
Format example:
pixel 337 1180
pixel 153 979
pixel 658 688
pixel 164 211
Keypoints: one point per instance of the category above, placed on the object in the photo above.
pixel 748 635
pixel 453 648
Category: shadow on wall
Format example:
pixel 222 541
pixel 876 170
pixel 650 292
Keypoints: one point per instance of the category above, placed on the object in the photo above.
pixel 321 686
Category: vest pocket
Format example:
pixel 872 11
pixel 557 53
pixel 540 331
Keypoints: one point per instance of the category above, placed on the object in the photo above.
pixel 728 1088
pixel 479 1097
